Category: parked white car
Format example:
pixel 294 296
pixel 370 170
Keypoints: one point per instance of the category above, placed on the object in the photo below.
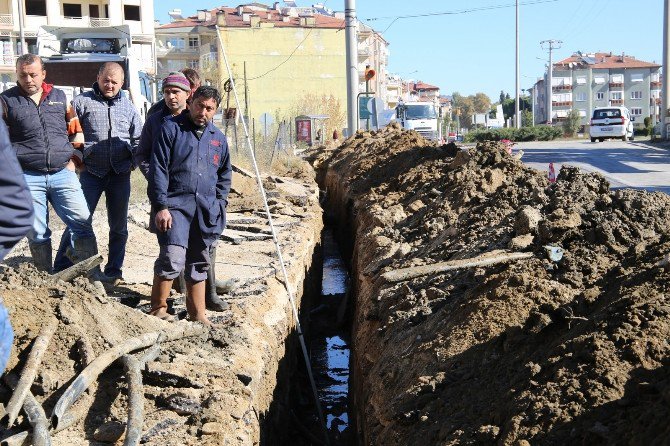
pixel 611 122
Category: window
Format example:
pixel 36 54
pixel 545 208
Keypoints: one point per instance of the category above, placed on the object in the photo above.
pixel 600 96
pixel 616 95
pixel 599 80
pixel 36 7
pixel 616 78
pixel 636 77
pixel 174 65
pixel 579 97
pixel 175 42
pixel 131 12
pixel 193 64
pixel 582 113
pixel 655 94
pixel 562 97
pixel 636 95
pixel 558 81
pixel 71 10
pixel 636 111
pixel 581 80
pixel 94 11
pixel 193 42
pixel 655 77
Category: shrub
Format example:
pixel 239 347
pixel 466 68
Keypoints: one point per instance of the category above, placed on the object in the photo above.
pixel 537 133
pixel 571 123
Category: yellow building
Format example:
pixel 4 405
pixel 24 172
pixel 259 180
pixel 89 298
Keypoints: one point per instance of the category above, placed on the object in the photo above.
pixel 294 57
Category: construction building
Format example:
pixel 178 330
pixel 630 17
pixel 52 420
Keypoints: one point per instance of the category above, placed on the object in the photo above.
pixel 585 81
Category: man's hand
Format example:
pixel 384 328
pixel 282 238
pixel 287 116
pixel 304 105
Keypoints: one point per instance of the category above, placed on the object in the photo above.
pixel 163 220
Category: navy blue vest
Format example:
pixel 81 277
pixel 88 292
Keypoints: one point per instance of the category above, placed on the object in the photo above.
pixel 38 133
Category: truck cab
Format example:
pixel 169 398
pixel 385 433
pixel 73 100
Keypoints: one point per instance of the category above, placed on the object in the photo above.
pixel 421 117
pixel 73 56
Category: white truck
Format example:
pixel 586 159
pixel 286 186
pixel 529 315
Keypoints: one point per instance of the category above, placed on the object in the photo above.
pixel 420 116
pixel 73 56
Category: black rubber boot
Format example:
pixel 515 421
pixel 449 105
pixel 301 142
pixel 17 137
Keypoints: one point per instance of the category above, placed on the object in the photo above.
pixel 212 300
pixel 41 253
pixel 85 248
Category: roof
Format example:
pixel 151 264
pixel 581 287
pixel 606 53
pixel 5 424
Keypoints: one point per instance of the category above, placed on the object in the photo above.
pixel 267 14
pixel 422 86
pixel 604 61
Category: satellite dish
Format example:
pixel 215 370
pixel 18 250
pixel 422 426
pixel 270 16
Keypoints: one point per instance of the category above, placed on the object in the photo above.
pixel 168 44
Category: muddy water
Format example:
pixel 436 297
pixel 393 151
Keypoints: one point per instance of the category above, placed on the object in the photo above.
pixel 329 343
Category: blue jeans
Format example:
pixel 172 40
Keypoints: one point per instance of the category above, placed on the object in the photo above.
pixel 116 187
pixel 63 190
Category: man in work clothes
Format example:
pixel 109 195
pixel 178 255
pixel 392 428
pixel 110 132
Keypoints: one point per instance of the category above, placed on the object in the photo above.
pixel 189 181
pixel 111 126
pixel 16 219
pixel 176 92
pixel 38 119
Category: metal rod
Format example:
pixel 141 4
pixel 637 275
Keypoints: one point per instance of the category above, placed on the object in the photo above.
pixel 29 371
pixel 278 248
pixel 351 42
pixel 665 91
pixel 517 118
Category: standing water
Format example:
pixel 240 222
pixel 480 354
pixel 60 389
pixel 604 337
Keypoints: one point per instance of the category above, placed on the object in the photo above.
pixel 330 341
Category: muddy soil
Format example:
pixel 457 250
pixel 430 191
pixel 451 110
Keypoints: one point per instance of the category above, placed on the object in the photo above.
pixel 215 387
pixel 535 351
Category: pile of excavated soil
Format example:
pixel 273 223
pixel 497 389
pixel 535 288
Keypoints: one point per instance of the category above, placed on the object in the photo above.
pixel 225 386
pixel 534 351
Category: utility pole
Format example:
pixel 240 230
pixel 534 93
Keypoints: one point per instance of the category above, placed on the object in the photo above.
pixel 532 104
pixel 352 65
pixel 551 46
pixel 665 89
pixel 22 35
pixel 517 118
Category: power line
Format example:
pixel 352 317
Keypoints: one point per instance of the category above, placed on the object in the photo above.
pixel 462 11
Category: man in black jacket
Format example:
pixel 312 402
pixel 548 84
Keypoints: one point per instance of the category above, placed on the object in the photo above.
pixel 37 116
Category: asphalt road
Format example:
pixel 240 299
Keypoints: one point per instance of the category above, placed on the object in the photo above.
pixel 624 164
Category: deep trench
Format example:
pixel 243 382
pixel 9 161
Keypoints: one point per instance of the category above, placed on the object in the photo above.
pixel 326 319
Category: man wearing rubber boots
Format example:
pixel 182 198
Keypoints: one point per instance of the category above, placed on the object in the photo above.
pixel 40 125
pixel 189 181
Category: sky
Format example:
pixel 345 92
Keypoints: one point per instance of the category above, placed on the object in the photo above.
pixel 469 46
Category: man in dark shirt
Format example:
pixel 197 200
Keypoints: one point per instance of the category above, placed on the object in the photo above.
pixel 189 181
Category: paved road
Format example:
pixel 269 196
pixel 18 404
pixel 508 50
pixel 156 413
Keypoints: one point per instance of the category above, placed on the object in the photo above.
pixel 624 164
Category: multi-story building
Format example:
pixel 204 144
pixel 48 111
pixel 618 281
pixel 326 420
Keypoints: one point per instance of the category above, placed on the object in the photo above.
pixel 285 53
pixel 586 81
pixel 137 14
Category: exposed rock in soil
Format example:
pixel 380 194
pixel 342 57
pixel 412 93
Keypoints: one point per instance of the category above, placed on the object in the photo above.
pixel 534 352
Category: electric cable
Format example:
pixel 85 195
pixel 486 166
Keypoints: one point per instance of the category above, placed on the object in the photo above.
pixel 276 242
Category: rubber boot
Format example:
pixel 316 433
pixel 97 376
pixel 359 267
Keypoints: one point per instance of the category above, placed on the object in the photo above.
pixel 212 300
pixel 41 253
pixel 85 248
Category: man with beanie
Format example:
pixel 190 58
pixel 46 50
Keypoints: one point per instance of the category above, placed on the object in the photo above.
pixel 176 91
pixel 111 127
pixel 189 181
pixel 40 125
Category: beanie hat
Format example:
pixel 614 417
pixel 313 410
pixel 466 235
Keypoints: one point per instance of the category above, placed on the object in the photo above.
pixel 177 79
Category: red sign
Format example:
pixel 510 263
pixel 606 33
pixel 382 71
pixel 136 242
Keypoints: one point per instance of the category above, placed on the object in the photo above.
pixel 304 130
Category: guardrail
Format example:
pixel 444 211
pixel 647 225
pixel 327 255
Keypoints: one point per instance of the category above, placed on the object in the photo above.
pixel 6 20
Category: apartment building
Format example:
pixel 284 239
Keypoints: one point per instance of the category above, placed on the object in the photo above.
pixel 137 14
pixel 585 81
pixel 285 52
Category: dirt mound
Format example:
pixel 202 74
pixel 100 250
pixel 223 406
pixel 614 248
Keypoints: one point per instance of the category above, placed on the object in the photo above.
pixel 535 351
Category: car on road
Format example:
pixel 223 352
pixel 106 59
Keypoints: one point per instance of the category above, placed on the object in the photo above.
pixel 611 123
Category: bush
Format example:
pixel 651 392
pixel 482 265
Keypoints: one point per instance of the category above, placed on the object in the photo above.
pixel 571 123
pixel 537 133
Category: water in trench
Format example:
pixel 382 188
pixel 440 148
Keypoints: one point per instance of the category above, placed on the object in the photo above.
pixel 329 342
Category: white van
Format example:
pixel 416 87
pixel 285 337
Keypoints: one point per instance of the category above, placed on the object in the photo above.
pixel 611 122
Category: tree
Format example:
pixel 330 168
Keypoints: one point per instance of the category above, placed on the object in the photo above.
pixel 502 96
pixel 526 118
pixel 481 102
pixel 571 123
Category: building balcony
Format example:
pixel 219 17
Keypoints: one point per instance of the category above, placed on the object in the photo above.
pixel 616 84
pixel 656 84
pixel 562 87
pixel 6 21
pixel 561 104
pixel 98 23
pixel 616 102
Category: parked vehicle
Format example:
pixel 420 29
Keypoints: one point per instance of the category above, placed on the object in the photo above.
pixel 610 123
pixel 420 116
pixel 72 57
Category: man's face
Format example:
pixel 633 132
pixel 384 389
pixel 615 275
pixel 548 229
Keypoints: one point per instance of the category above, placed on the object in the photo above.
pixel 202 110
pixel 30 77
pixel 175 98
pixel 110 82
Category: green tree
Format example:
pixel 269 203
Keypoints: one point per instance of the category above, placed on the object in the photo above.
pixel 571 123
pixel 526 118
pixel 502 96
pixel 481 102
